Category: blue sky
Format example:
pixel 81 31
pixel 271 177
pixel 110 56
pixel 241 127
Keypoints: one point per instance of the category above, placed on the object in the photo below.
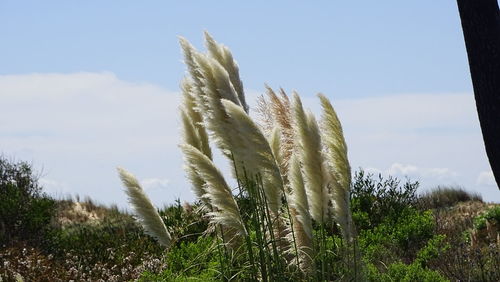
pixel 94 84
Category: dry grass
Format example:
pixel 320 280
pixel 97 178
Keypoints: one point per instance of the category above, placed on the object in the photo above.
pixel 28 263
pixel 70 212
pixel 472 255
pixel 455 220
pixel 443 197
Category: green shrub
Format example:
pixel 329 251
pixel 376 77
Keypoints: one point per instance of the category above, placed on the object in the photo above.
pixel 433 250
pixel 398 238
pixel 189 261
pixel 25 212
pixel 373 200
pixel 442 197
pixel 107 241
pixel 186 222
pixel 404 273
pixel 492 215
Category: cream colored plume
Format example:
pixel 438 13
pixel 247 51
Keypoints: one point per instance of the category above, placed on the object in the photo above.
pixel 302 223
pixel 336 156
pixel 255 154
pixel 223 55
pixel 189 51
pixel 215 86
pixel 144 211
pixel 226 211
pixel 190 109
pixel 275 143
pixel 215 79
pixel 194 134
pixel 309 145
pixel 275 111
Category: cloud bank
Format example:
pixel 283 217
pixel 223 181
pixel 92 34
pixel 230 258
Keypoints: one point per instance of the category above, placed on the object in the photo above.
pixel 76 128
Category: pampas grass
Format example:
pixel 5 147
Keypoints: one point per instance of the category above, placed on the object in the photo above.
pixel 275 112
pixel 255 154
pixel 301 217
pixel 289 173
pixel 197 136
pixel 340 170
pixel 226 210
pixel 145 212
pixel 222 54
pixel 311 157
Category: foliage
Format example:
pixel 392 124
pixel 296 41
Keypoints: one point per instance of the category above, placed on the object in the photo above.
pixel 106 241
pixel 189 261
pixel 399 271
pixel 186 221
pixel 372 200
pixel 442 197
pixel 25 212
pixel 492 215
pixel 435 247
pixel 397 238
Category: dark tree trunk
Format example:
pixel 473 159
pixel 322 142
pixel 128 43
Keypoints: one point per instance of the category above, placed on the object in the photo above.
pixel 481 27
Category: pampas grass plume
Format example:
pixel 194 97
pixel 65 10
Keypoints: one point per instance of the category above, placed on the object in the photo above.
pixel 223 55
pixel 309 145
pixel 226 211
pixel 301 216
pixel 145 212
pixel 340 170
pixel 256 154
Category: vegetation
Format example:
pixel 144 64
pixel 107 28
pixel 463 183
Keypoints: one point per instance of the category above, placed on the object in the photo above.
pixel 86 241
pixel 443 197
pixel 295 213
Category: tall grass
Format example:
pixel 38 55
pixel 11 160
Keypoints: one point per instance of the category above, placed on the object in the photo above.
pixel 443 196
pixel 292 172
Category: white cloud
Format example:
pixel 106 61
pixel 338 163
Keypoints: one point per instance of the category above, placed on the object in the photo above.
pixel 53 187
pixel 154 183
pixel 80 126
pixel 422 174
pixel 400 169
pixel 486 178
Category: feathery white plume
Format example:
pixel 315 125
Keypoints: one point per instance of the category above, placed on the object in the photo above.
pixel 254 154
pixel 309 145
pixel 340 170
pixel 191 110
pixel 226 210
pixel 302 223
pixel 275 143
pixel 223 55
pixel 145 212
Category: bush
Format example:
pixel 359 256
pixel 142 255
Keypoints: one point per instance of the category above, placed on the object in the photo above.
pixel 189 261
pixel 442 197
pixel 492 215
pixel 398 238
pixel 404 273
pixel 186 221
pixel 374 200
pixel 107 241
pixel 25 212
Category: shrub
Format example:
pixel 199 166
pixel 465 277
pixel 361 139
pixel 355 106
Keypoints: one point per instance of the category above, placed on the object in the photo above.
pixel 107 241
pixel 186 221
pixel 442 197
pixel 492 215
pixel 25 212
pixel 189 261
pixel 404 273
pixel 372 200
pixel 397 238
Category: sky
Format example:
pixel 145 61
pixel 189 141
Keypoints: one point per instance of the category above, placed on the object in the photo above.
pixel 86 86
